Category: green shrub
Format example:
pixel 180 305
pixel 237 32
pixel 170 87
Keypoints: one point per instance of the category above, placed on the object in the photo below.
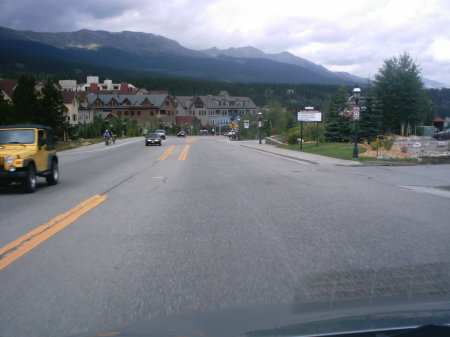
pixel 374 146
pixel 387 143
pixel 309 133
pixel 292 135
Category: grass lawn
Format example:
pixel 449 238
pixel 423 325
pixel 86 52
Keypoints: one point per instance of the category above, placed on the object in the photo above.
pixel 335 150
pixel 73 144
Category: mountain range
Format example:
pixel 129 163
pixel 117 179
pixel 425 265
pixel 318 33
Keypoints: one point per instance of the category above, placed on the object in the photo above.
pixel 146 54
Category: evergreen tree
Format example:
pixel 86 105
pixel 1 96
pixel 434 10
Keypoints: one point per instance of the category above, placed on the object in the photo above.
pixel 51 107
pixel 25 99
pixel 400 90
pixel 338 127
pixel 370 124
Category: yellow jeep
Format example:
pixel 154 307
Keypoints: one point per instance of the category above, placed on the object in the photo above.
pixel 27 151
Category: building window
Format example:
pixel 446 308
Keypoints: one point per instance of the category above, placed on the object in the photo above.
pixel 132 113
pixel 74 117
pixel 138 113
pixel 126 113
pixel 167 103
pixel 151 113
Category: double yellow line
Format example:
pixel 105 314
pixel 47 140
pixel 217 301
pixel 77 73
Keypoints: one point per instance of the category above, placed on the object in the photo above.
pixel 182 156
pixel 167 153
pixel 184 153
pixel 19 247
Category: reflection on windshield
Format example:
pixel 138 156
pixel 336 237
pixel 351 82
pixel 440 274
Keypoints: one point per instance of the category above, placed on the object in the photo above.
pixel 23 136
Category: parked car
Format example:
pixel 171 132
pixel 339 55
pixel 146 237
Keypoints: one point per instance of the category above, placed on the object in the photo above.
pixel 162 133
pixel 233 134
pixel 27 152
pixel 181 134
pixel 442 135
pixel 153 139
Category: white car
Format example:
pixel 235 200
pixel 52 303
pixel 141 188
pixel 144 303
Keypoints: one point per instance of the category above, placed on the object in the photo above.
pixel 161 133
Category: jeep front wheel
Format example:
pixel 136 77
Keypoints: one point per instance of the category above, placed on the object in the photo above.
pixel 52 178
pixel 30 181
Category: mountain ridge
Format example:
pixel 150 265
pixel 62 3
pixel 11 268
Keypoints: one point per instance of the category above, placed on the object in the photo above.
pixel 283 57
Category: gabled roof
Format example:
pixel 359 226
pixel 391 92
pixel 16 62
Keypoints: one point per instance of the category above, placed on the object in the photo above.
pixel 184 101
pixel 105 114
pixel 157 99
pixel 8 86
pixel 134 100
pixel 213 102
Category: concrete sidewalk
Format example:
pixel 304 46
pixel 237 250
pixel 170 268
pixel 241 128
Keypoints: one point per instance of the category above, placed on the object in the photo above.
pixel 305 157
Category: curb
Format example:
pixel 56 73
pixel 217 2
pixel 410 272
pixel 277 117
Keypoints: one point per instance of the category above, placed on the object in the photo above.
pixel 281 155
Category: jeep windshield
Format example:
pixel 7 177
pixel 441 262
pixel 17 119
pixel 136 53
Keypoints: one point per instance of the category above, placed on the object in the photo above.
pixel 17 136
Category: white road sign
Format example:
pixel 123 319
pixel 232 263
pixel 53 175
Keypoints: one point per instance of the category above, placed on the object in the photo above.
pixel 356 112
pixel 309 116
pixel 246 124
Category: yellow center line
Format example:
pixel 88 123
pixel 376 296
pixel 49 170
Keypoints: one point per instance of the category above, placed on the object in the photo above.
pixel 19 247
pixel 167 153
pixel 191 140
pixel 184 153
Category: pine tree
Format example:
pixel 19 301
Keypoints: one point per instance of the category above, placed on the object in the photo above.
pixel 51 107
pixel 338 128
pixel 370 124
pixel 25 100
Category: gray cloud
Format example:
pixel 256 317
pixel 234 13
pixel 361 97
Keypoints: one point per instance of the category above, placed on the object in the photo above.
pixel 340 35
pixel 57 15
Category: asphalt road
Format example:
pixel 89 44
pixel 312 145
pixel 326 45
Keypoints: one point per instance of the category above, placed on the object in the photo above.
pixel 227 227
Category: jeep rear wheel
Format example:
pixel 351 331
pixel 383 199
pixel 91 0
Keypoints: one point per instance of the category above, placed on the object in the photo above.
pixel 29 182
pixel 52 178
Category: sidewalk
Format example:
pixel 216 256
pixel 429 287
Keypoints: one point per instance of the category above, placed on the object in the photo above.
pixel 309 158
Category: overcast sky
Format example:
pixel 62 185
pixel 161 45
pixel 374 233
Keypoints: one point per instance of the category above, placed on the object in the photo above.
pixel 353 36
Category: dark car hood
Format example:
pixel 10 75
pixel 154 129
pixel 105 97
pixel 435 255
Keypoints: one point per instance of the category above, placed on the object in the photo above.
pixel 289 320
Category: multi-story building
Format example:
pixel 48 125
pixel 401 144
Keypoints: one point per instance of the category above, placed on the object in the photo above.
pixel 93 85
pixel 215 111
pixel 142 108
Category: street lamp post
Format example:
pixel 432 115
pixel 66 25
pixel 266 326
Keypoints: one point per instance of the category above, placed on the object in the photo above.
pixel 260 126
pixel 238 133
pixel 356 93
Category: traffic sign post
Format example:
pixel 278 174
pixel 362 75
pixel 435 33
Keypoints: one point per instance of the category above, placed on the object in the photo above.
pixel 309 115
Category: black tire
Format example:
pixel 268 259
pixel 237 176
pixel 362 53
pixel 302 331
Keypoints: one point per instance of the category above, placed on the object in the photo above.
pixel 30 181
pixel 159 144
pixel 53 177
